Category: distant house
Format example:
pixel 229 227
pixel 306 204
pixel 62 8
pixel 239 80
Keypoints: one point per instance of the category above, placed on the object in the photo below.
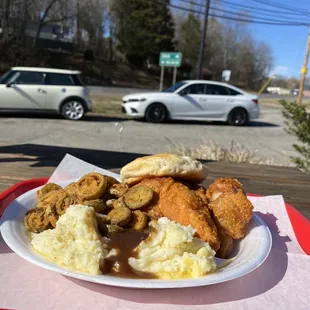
pixel 55 32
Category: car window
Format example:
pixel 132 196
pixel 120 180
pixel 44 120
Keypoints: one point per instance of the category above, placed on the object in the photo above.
pixel 6 77
pixel 213 89
pixel 194 89
pixel 28 78
pixel 234 92
pixel 60 79
pixel 78 79
pixel 174 87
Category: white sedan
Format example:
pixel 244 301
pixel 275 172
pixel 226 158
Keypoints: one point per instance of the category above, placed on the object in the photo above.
pixel 194 100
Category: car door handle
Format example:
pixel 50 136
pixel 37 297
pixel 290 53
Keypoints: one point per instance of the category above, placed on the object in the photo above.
pixel 41 91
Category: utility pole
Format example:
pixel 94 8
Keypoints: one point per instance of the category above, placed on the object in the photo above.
pixel 304 71
pixel 202 40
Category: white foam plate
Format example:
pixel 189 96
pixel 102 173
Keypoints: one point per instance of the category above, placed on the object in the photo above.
pixel 249 253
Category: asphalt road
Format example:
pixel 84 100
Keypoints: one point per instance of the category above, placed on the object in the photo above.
pixel 265 136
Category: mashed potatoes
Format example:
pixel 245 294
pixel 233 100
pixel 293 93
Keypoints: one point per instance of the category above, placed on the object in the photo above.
pixel 74 243
pixel 172 252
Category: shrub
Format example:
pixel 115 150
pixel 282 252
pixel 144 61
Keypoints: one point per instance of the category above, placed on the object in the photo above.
pixel 298 124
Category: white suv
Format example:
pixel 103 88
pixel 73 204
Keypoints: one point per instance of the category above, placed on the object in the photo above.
pixel 63 91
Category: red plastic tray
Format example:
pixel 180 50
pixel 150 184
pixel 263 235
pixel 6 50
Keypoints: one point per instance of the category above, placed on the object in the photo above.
pixel 301 225
pixel 18 189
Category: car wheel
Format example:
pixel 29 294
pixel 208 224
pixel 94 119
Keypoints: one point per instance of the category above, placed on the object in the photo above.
pixel 156 113
pixel 73 110
pixel 238 117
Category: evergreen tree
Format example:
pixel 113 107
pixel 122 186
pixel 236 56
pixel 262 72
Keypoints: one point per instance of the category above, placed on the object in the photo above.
pixel 189 39
pixel 144 29
pixel 298 124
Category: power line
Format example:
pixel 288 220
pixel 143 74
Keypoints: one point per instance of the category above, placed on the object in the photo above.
pixel 256 21
pixel 193 3
pixel 282 6
pixel 264 10
pixel 246 20
pixel 262 18
pixel 260 11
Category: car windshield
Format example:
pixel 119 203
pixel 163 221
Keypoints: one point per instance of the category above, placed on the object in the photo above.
pixel 4 78
pixel 174 87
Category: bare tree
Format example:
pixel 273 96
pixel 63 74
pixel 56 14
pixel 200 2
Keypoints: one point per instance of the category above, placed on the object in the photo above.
pixel 13 20
pixel 78 23
pixel 5 10
pixel 48 14
pixel 111 26
pixel 10 15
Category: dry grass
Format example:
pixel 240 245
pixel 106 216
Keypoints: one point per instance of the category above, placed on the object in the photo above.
pixel 211 150
pixel 108 104
pixel 274 102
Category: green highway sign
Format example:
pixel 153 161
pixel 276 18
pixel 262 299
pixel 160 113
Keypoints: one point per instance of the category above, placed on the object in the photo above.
pixel 168 59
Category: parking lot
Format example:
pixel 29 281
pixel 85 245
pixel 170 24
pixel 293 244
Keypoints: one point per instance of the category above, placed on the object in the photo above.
pixel 100 132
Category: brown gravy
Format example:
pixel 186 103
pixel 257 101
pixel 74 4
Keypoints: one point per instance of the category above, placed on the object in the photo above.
pixel 124 243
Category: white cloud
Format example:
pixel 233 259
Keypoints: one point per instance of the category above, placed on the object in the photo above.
pixel 280 70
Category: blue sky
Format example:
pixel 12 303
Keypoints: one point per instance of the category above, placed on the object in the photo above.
pixel 288 43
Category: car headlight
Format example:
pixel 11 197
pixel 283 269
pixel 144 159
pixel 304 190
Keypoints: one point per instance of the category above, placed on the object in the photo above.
pixel 136 99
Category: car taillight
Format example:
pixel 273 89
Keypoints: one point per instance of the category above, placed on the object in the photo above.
pixel 255 101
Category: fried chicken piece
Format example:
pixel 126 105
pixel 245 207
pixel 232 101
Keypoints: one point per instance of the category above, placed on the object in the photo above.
pixel 180 204
pixel 199 190
pixel 232 213
pixel 226 244
pixel 201 193
pixel 156 184
pixel 223 186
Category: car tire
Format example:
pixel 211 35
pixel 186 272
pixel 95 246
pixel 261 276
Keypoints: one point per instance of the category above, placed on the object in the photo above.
pixel 238 117
pixel 156 113
pixel 73 109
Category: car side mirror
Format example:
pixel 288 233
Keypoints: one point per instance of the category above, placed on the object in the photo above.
pixel 10 84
